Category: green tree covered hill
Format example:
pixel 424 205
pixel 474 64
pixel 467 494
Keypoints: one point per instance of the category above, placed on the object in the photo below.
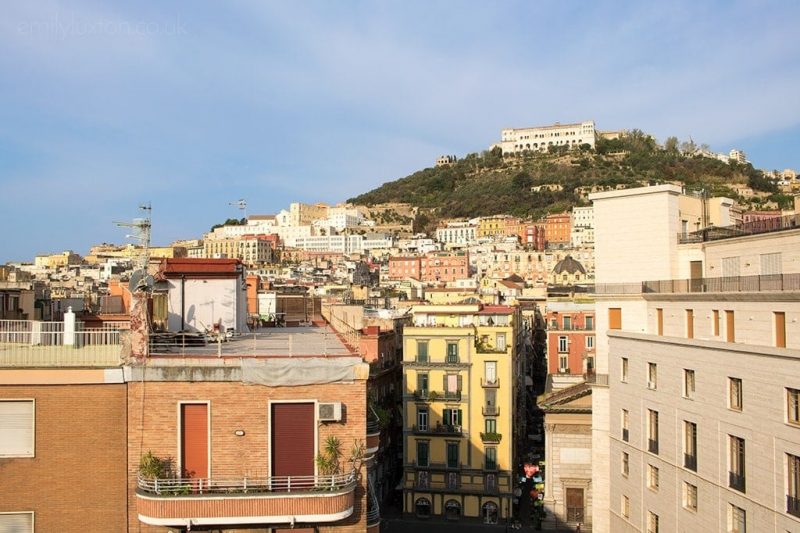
pixel 488 183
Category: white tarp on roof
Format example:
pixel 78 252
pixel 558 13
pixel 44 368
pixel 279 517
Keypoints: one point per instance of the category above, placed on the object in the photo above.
pixel 289 372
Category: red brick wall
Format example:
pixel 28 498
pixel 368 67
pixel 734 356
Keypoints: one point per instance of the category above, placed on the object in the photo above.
pixel 77 479
pixel 153 418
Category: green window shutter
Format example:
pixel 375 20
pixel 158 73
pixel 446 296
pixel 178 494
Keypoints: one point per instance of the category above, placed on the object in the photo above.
pixel 458 417
pixel 459 382
pixel 447 417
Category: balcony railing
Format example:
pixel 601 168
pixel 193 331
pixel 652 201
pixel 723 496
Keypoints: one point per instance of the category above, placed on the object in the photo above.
pixel 575 514
pixel 432 395
pixel 690 462
pixel 736 481
pixel 172 502
pixel 493 384
pixel 761 283
pixel 793 506
pixel 652 446
pixel 490 410
pixel 491 437
pixel 767 225
pixel 438 429
pixel 43 344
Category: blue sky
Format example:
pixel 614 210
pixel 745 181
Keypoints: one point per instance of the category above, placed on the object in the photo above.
pixel 191 105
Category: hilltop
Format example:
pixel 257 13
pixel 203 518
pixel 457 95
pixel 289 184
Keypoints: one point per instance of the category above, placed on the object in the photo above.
pixel 533 184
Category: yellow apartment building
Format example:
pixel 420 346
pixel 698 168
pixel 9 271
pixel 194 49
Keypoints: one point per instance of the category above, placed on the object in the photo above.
pixel 463 372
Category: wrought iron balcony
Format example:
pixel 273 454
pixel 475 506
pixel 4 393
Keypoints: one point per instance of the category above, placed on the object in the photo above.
pixel 494 384
pixel 449 430
pixel 432 395
pixel 490 410
pixel 274 500
pixel 491 437
pixel 736 481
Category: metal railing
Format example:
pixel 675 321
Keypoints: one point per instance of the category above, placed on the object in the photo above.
pixel 493 384
pixel 373 426
pixel 445 429
pixel 736 481
pixel 490 410
pixel 432 395
pixel 373 507
pixel 754 227
pixel 757 283
pixel 575 514
pixel 276 484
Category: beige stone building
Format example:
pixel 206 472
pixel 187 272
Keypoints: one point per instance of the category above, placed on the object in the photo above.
pixel 696 405
pixel 540 139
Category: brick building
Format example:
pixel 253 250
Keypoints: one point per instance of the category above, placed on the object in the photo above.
pixel 570 338
pixel 434 267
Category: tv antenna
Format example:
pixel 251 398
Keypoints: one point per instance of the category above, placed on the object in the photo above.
pixel 240 204
pixel 141 234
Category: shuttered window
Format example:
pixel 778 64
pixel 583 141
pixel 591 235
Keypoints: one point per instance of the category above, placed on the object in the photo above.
pixel 16 428
pixel 16 522
pixel 293 438
pixel 615 318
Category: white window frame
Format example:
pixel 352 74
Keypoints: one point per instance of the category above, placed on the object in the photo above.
pixel 33 517
pixel 32 453
pixel 563 344
pixel 689 496
pixel 590 342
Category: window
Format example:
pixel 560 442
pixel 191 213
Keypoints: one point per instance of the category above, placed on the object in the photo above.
pixel 422 385
pixel 422 453
pixel 715 323
pixel 563 363
pixel 500 342
pixel 780 329
pixel 652 376
pixel 562 344
pixel 652 431
pixel 17 428
pixel 422 419
pixel 652 522
pixel 625 418
pixel 422 351
pixel 626 466
pixel 793 406
pixel 451 418
pixel 737 519
pixel 567 322
pixel 590 342
pixel 624 370
pixel 625 507
pixel 589 323
pixel 659 321
pixel 16 522
pixel 452 352
pixel 688 383
pixel 614 318
pixel 689 323
pixel 451 383
pixel 452 455
pixel 652 477
pixel 491 458
pixel 489 513
pixel 491 425
pixel 689 496
pixel 690 445
pixel 422 507
pixel 736 463
pixel 793 485
pixel 735 394
pixel 490 371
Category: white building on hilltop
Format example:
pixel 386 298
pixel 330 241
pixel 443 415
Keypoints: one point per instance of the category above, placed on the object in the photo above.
pixel 696 401
pixel 540 139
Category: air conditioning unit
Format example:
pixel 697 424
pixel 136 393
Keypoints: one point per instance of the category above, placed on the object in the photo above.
pixel 330 412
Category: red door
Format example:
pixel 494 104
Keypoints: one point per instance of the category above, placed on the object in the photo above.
pixel 194 440
pixel 293 451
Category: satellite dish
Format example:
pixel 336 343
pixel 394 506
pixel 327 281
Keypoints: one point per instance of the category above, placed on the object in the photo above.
pixel 140 281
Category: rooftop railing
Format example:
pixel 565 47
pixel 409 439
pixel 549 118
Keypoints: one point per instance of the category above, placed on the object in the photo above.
pixel 754 227
pixel 759 283
pixel 171 487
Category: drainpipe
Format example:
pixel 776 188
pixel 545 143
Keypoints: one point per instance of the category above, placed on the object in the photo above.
pixel 183 301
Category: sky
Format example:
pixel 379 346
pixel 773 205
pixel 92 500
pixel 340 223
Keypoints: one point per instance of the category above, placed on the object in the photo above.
pixel 193 105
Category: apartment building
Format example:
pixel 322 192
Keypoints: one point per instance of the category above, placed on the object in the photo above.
pixel 62 427
pixel 457 232
pixel 540 139
pixel 463 371
pixel 695 407
pixel 582 226
pixel 250 249
pixel 558 229
pixel 570 338
pixel 433 267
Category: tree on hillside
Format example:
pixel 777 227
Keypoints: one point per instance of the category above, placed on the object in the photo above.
pixel 522 181
pixel 671 145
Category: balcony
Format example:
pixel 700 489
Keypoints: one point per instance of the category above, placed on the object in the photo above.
pixel 490 410
pixel 793 506
pixel 761 283
pixel 31 343
pixel 493 384
pixel 736 481
pixel 433 396
pixel 491 437
pixel 438 429
pixel 690 462
pixel 373 437
pixel 275 500
pixel 754 227
pixel 652 446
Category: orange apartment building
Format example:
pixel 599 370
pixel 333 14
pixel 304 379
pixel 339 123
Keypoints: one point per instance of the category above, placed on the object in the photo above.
pixel 558 229
pixel 434 267
pixel 570 338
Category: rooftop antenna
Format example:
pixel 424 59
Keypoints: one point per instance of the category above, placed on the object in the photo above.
pixel 241 204
pixel 141 234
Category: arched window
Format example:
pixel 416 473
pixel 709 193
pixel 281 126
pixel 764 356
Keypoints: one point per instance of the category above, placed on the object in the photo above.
pixel 423 507
pixel 452 510
pixel 489 513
